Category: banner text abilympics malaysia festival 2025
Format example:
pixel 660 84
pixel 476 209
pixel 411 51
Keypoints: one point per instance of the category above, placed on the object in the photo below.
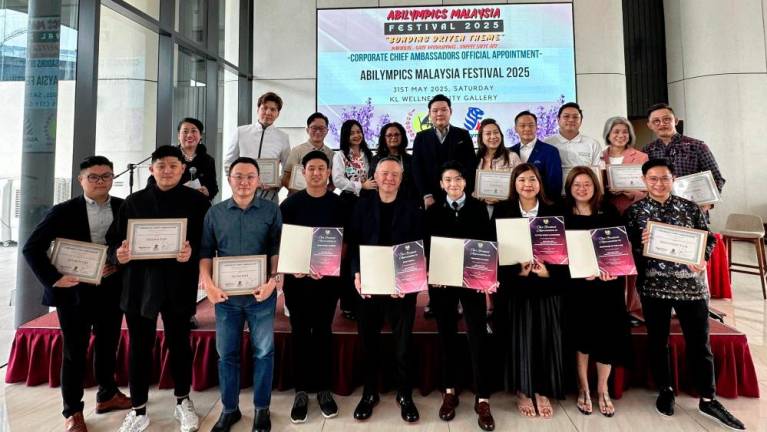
pixel 379 65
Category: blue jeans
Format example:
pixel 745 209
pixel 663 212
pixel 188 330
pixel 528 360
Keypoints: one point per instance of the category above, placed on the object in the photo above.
pixel 230 319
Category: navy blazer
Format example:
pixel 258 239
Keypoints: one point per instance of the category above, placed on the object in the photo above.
pixel 429 155
pixel 365 225
pixel 546 158
pixel 68 220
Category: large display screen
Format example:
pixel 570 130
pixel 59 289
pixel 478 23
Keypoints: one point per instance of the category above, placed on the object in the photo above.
pixel 384 64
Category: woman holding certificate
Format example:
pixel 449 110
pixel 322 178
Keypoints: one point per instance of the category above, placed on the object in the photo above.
pixel 528 307
pixel 351 166
pixel 619 137
pixel 392 141
pixel 200 171
pixel 493 156
pixel 595 308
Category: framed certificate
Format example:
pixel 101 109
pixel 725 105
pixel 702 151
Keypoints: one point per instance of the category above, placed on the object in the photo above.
pixel 493 184
pixel 602 249
pixel 597 172
pixel 297 179
pixel 310 250
pixel 82 259
pixel 625 177
pixel 156 238
pixel 548 239
pixel 514 243
pixel 269 172
pixel 699 188
pixel 399 269
pixel 239 275
pixel 676 244
pixel 463 263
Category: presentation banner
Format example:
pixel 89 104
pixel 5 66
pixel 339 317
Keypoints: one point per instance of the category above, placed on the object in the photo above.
pixel 379 65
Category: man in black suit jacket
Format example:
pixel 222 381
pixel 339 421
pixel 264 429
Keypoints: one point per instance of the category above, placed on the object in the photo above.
pixel 440 144
pixel 385 219
pixel 81 306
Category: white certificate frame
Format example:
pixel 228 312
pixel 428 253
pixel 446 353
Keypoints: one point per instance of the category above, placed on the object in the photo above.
pixel 582 260
pixel 295 249
pixel 710 192
pixel 614 176
pixel 219 267
pixel 658 230
pixel 62 248
pixel 497 178
pixel 269 172
pixel 597 170
pixel 138 224
pixel 515 244
pixel 446 261
pixel 377 274
pixel 297 179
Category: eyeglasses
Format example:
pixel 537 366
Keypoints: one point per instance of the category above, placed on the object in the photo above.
pixel 392 135
pixel 664 179
pixel 93 178
pixel 664 120
pixel 238 178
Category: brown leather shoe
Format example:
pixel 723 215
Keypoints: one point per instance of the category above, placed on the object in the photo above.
pixel 118 402
pixel 447 410
pixel 75 423
pixel 485 419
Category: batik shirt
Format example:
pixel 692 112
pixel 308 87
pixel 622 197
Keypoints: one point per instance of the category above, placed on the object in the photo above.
pixel 688 155
pixel 660 278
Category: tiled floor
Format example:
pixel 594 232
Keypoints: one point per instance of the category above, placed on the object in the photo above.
pixel 37 408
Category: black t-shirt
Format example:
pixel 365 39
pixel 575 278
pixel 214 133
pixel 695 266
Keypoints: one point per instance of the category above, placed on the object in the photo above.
pixel 387 214
pixel 306 210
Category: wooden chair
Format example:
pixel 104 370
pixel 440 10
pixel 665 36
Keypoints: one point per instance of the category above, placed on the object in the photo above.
pixel 748 228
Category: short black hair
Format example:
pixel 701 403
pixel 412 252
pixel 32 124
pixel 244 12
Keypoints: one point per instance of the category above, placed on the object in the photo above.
pixel 315 116
pixel 270 97
pixel 166 151
pixel 659 106
pixel 440 98
pixel 569 105
pixel 192 120
pixel 451 165
pixel 315 154
pixel 95 160
pixel 525 113
pixel 654 163
pixel 245 160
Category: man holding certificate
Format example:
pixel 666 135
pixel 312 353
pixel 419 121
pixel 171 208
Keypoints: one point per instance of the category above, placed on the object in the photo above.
pixel 243 226
pixel 81 306
pixel 664 282
pixel 462 217
pixel 312 298
pixel 159 253
pixel 385 219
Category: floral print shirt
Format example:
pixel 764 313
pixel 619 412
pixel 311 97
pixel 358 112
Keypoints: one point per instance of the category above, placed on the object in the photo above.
pixel 659 278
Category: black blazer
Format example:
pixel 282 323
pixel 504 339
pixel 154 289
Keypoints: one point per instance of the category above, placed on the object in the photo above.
pixel 407 188
pixel 429 155
pixel 472 221
pixel 69 220
pixel 205 167
pixel 365 225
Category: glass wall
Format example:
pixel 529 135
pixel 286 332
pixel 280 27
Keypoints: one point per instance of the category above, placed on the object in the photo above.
pixel 126 110
pixel 191 19
pixel 189 86
pixel 227 120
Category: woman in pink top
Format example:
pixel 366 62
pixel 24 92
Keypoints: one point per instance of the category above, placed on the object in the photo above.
pixel 619 138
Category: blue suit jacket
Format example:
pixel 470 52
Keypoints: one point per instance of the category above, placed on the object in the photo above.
pixel 545 157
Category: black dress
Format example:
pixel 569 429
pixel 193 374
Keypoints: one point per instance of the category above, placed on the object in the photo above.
pixel 528 321
pixel 595 311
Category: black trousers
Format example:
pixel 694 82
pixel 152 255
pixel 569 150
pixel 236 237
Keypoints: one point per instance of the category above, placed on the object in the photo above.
pixel 444 304
pixel 102 314
pixel 312 305
pixel 693 317
pixel 349 299
pixel 143 332
pixel 400 313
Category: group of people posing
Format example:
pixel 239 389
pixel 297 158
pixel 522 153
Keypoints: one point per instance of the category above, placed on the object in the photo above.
pixel 543 322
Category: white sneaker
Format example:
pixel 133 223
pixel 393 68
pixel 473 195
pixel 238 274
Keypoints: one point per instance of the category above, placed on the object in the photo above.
pixel 134 423
pixel 186 416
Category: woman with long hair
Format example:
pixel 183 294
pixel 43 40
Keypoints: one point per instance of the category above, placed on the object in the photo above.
pixel 392 141
pixel 493 154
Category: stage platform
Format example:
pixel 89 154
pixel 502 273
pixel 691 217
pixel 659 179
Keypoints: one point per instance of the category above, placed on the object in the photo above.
pixel 37 350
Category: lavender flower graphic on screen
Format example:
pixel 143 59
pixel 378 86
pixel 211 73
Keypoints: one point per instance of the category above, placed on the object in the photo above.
pixel 547 121
pixel 365 114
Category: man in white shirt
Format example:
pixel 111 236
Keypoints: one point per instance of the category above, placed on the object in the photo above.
pixel 574 148
pixel 262 140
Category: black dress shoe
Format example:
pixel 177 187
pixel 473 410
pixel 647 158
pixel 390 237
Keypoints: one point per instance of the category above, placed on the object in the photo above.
pixel 365 408
pixel 262 422
pixel 225 422
pixel 665 402
pixel 408 409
